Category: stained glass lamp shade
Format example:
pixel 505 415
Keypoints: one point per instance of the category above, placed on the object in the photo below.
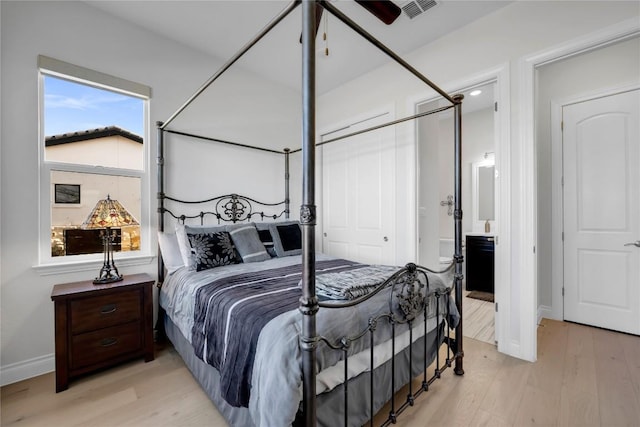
pixel 106 214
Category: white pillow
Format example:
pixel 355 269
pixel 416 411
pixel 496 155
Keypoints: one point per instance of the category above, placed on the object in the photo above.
pixel 183 245
pixel 170 251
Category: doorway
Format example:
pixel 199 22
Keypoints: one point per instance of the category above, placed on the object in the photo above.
pixel 572 79
pixel 479 201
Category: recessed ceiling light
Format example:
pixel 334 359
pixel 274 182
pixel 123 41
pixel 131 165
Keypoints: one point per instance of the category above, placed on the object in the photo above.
pixel 475 92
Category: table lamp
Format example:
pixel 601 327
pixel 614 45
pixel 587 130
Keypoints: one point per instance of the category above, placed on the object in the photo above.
pixel 106 214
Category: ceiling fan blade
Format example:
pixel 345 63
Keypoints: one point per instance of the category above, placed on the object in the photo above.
pixel 385 10
pixel 319 10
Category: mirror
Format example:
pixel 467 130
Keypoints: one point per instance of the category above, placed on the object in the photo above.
pixel 483 194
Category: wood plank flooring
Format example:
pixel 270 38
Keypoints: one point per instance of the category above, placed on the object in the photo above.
pixel 583 377
pixel 479 319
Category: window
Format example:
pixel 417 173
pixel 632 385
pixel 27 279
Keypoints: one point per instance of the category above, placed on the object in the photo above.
pixel 93 146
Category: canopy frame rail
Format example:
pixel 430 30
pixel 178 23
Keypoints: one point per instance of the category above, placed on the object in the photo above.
pixel 381 126
pixel 223 141
pixel 275 21
pixel 377 43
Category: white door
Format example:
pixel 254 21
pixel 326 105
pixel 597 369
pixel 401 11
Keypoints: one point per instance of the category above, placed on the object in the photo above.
pixel 601 162
pixel 358 208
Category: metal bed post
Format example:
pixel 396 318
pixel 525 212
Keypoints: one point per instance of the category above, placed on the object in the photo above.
pixel 286 182
pixel 161 334
pixel 160 195
pixel 308 301
pixel 458 369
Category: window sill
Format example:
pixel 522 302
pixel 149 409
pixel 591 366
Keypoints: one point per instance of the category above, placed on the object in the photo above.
pixel 90 265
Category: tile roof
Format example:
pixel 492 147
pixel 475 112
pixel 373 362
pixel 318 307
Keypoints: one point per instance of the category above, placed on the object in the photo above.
pixel 85 135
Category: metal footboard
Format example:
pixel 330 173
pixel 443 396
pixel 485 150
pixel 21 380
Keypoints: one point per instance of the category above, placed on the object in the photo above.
pixel 411 302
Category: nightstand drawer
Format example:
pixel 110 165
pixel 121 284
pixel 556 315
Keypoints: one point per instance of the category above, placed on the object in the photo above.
pixel 89 314
pixel 94 347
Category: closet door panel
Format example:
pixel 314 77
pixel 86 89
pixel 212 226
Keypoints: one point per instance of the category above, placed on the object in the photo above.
pixel 358 197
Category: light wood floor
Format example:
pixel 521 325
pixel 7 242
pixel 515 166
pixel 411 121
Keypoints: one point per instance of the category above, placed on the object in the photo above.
pixel 583 377
pixel 478 319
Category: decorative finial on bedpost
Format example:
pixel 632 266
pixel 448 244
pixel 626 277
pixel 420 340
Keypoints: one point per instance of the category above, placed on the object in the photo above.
pixel 458 97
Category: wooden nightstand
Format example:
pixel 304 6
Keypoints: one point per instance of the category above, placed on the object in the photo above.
pixel 101 325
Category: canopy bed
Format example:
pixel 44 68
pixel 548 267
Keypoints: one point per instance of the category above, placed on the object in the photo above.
pixel 278 334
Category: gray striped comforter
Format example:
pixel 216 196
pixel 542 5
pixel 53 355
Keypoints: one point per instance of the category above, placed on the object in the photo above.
pixel 230 313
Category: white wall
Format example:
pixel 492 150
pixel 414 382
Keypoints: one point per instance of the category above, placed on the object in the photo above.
pixel 78 33
pixel 430 134
pixel 597 71
pixel 111 151
pixel 435 137
pixel 502 38
pixel 478 133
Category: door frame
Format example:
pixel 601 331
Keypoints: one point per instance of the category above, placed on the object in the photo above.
pixel 524 246
pixel 557 209
pixel 502 131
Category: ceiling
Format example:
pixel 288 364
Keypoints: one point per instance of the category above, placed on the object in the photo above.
pixel 221 28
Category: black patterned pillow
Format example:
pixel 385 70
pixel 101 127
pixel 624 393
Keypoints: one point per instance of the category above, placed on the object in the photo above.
pixel 212 250
pixel 265 237
pixel 287 238
pixel 267 241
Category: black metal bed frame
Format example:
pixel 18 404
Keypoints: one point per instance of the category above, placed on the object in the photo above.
pixel 409 280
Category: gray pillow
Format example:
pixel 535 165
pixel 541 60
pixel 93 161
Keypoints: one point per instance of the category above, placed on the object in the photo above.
pixel 248 244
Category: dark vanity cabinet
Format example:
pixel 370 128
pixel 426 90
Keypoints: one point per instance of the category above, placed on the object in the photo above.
pixel 479 261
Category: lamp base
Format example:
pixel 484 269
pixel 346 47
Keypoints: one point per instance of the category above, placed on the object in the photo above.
pixel 104 280
pixel 108 274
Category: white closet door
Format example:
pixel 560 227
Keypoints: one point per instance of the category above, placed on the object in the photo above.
pixel 601 162
pixel 358 194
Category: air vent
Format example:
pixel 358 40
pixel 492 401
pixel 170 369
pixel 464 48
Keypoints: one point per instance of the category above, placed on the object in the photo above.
pixel 417 7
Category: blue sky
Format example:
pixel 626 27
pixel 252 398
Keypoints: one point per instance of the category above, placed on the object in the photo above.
pixel 71 107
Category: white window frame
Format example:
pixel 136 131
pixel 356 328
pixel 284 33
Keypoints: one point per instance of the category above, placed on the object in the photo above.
pixel 48 264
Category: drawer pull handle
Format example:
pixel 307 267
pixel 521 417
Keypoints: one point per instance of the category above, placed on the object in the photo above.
pixel 108 309
pixel 108 342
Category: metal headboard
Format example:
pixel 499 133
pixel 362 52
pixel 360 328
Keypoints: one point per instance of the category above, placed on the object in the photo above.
pixel 230 208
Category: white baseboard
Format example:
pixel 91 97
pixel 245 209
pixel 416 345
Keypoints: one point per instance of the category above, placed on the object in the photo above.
pixel 544 311
pixel 19 371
